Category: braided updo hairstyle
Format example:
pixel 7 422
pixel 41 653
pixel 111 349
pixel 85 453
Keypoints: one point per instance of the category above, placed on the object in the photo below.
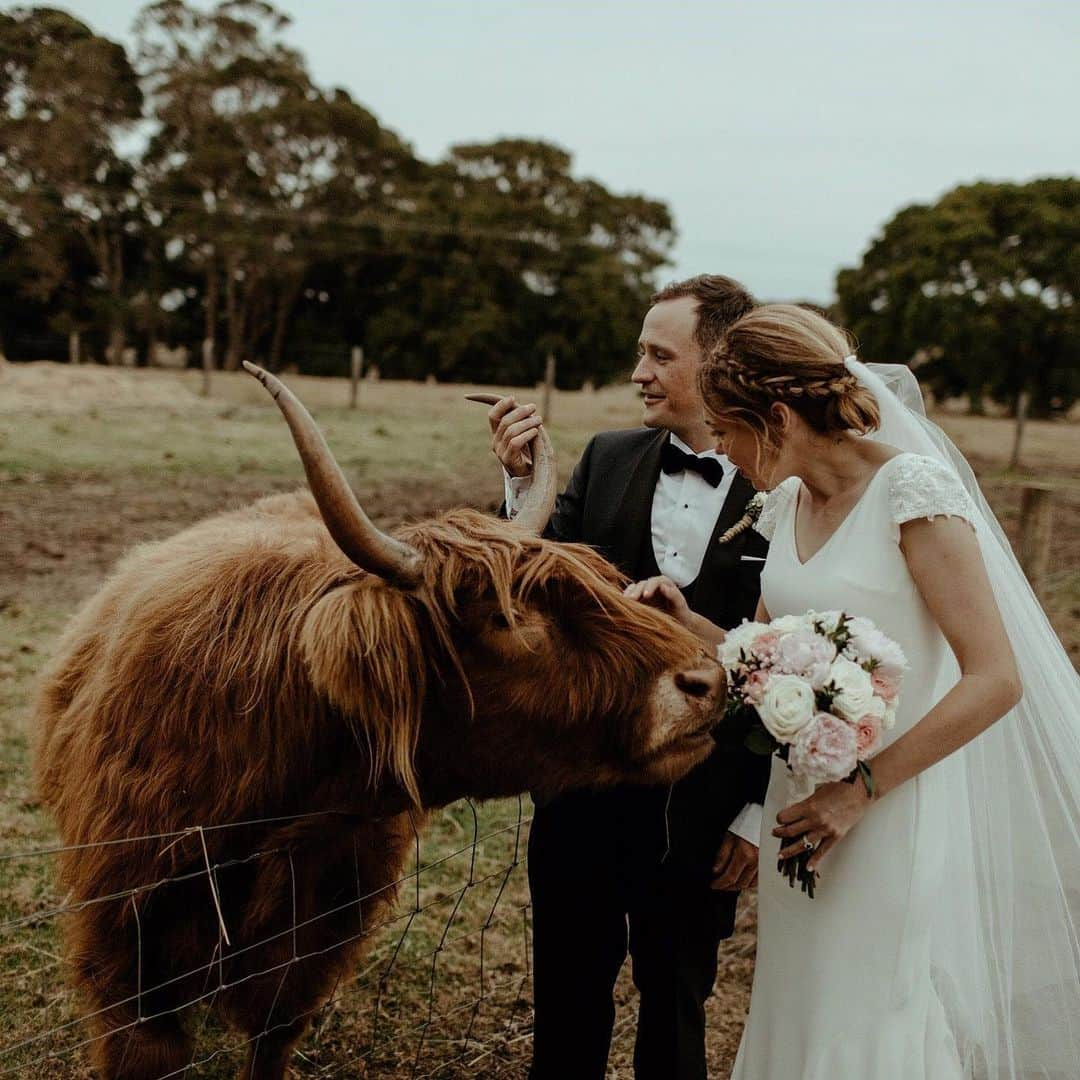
pixel 789 354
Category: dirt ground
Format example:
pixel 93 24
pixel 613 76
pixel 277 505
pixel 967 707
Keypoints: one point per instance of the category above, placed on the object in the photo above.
pixel 91 465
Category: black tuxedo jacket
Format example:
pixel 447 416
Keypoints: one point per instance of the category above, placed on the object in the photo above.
pixel 608 505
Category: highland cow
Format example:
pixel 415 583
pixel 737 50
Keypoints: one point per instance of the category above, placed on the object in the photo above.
pixel 280 692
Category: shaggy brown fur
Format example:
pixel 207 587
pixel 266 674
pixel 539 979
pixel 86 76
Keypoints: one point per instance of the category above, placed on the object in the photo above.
pixel 245 670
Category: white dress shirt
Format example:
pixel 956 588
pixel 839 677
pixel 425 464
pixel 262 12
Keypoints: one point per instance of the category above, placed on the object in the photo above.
pixel 684 511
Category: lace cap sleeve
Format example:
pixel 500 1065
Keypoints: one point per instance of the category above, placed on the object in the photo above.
pixel 922 487
pixel 775 503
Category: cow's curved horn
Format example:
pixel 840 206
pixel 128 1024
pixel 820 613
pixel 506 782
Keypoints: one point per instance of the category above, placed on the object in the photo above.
pixel 352 530
pixel 539 503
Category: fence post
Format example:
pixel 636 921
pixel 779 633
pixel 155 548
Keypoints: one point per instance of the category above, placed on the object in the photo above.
pixel 549 385
pixel 207 364
pixel 74 344
pixel 1023 402
pixel 356 365
pixel 1036 532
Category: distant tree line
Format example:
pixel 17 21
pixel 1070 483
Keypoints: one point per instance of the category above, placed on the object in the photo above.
pixel 205 188
pixel 980 292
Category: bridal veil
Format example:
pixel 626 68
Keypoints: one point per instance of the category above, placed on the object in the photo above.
pixel 1006 937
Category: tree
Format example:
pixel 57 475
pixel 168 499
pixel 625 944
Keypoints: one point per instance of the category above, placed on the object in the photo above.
pixel 206 74
pixel 984 288
pixel 286 222
pixel 519 259
pixel 265 173
pixel 67 96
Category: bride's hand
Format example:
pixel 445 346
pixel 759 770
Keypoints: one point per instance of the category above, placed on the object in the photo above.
pixel 825 818
pixel 661 592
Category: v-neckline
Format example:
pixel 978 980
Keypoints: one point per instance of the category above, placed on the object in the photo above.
pixel 846 518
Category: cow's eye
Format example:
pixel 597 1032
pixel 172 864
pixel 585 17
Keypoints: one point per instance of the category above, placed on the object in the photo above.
pixel 500 621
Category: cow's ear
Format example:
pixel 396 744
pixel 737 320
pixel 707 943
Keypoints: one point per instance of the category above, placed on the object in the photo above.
pixel 364 652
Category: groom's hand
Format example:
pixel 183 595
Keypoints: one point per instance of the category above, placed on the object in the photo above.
pixel 513 428
pixel 736 865
pixel 661 592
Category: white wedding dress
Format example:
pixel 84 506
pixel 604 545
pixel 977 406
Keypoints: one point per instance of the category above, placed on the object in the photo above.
pixel 843 985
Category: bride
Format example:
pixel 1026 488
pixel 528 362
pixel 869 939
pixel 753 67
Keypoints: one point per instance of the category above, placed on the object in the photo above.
pixel 943 939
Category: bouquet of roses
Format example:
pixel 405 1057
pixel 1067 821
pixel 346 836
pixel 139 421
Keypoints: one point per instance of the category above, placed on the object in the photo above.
pixel 819 690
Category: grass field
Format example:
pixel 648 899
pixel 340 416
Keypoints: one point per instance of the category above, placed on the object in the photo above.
pixel 94 460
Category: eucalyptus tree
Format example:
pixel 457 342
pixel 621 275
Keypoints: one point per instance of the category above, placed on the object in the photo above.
pixel 69 98
pixel 527 260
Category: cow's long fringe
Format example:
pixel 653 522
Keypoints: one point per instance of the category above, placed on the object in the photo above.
pixel 465 547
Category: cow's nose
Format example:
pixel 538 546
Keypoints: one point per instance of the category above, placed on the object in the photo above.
pixel 699 682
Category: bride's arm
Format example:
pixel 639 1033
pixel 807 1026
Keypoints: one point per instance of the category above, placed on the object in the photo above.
pixel 947 566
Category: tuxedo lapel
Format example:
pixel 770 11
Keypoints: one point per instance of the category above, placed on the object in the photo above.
pixel 631 511
pixel 722 559
pixel 739 494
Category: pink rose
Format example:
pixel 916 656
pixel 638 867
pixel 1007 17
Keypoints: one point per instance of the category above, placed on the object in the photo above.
pixel 826 749
pixel 885 686
pixel 867 735
pixel 754 687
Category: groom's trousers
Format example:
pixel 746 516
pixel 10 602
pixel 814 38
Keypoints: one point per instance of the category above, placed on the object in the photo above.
pixel 618 871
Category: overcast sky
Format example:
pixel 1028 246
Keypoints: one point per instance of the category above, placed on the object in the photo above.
pixel 783 135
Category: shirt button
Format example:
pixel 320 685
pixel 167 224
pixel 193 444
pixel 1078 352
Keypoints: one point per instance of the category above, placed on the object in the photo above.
pixel 686 506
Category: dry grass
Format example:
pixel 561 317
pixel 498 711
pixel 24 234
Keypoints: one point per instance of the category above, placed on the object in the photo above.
pixel 93 461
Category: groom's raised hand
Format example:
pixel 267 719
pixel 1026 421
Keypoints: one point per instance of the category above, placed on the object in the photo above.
pixel 736 865
pixel 513 427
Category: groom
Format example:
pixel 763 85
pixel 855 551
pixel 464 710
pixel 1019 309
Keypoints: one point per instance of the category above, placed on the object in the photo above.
pixel 655 870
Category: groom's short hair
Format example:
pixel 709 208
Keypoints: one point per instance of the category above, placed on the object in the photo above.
pixel 721 302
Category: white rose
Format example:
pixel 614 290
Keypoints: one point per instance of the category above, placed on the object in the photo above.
pixel 787 706
pixel 876 709
pixel 737 641
pixel 854 689
pixel 789 624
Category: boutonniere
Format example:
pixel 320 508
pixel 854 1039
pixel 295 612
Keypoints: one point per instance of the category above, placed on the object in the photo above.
pixel 750 515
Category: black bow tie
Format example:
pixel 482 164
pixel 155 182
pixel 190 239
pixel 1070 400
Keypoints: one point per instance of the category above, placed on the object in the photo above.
pixel 674 460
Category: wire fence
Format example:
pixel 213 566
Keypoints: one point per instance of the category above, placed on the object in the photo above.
pixel 441 987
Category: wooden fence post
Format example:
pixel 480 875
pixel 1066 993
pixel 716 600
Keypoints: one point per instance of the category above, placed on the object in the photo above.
pixel 1036 532
pixel 207 364
pixel 549 385
pixel 74 351
pixel 1023 402
pixel 356 365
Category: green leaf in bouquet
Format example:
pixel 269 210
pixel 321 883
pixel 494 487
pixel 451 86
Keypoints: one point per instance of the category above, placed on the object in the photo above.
pixel 759 741
pixel 825 697
pixel 868 778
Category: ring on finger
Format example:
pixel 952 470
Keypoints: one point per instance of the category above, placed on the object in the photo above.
pixel 808 844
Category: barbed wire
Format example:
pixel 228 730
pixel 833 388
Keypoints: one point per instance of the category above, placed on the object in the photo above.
pixel 373 979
